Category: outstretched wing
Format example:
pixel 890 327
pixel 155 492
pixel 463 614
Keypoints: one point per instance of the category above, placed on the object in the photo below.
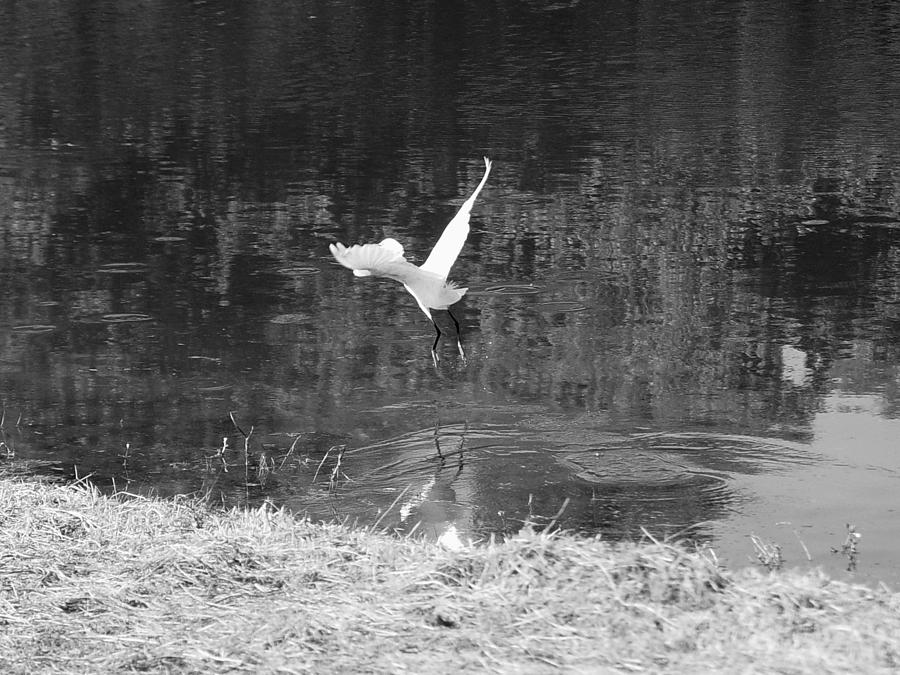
pixel 447 249
pixel 380 260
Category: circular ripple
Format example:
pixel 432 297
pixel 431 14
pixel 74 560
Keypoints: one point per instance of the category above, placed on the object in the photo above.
pixel 289 319
pixel 200 357
pixel 125 318
pixel 34 329
pixel 883 224
pixel 299 271
pixel 122 268
pixel 214 389
pixel 561 307
pixel 509 289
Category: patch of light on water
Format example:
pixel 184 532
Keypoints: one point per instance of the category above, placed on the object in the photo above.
pixel 793 366
pixel 853 429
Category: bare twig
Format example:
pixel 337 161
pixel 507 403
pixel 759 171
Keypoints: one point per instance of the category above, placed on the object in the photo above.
pixel 290 451
pixel 318 468
pixel 803 546
pixel 393 504
pixel 558 515
pixel 236 425
pixel 336 471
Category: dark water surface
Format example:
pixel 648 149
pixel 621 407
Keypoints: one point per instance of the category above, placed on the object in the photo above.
pixel 684 271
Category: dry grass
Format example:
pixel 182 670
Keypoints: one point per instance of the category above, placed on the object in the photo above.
pixel 97 584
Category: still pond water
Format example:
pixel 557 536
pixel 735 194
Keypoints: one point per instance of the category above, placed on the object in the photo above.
pixel 684 271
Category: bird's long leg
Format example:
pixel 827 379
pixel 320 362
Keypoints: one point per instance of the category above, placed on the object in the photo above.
pixel 437 338
pixel 458 336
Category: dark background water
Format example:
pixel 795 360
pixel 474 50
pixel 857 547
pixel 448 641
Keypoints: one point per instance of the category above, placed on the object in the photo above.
pixel 684 304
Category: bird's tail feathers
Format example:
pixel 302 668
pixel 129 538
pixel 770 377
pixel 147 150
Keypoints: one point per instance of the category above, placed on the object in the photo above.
pixel 455 290
pixel 367 259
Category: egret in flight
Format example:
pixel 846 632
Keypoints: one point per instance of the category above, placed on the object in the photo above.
pixel 427 283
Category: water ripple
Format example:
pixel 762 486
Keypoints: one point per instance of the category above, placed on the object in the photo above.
pixel 34 329
pixel 125 318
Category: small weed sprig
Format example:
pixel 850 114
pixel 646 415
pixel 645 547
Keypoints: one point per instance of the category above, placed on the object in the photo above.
pixel 850 547
pixel 768 554
pixel 336 471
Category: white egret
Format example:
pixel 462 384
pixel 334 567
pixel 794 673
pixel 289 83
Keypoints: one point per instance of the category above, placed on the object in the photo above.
pixel 427 283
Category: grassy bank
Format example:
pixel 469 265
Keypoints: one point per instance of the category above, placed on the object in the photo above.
pixel 97 584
